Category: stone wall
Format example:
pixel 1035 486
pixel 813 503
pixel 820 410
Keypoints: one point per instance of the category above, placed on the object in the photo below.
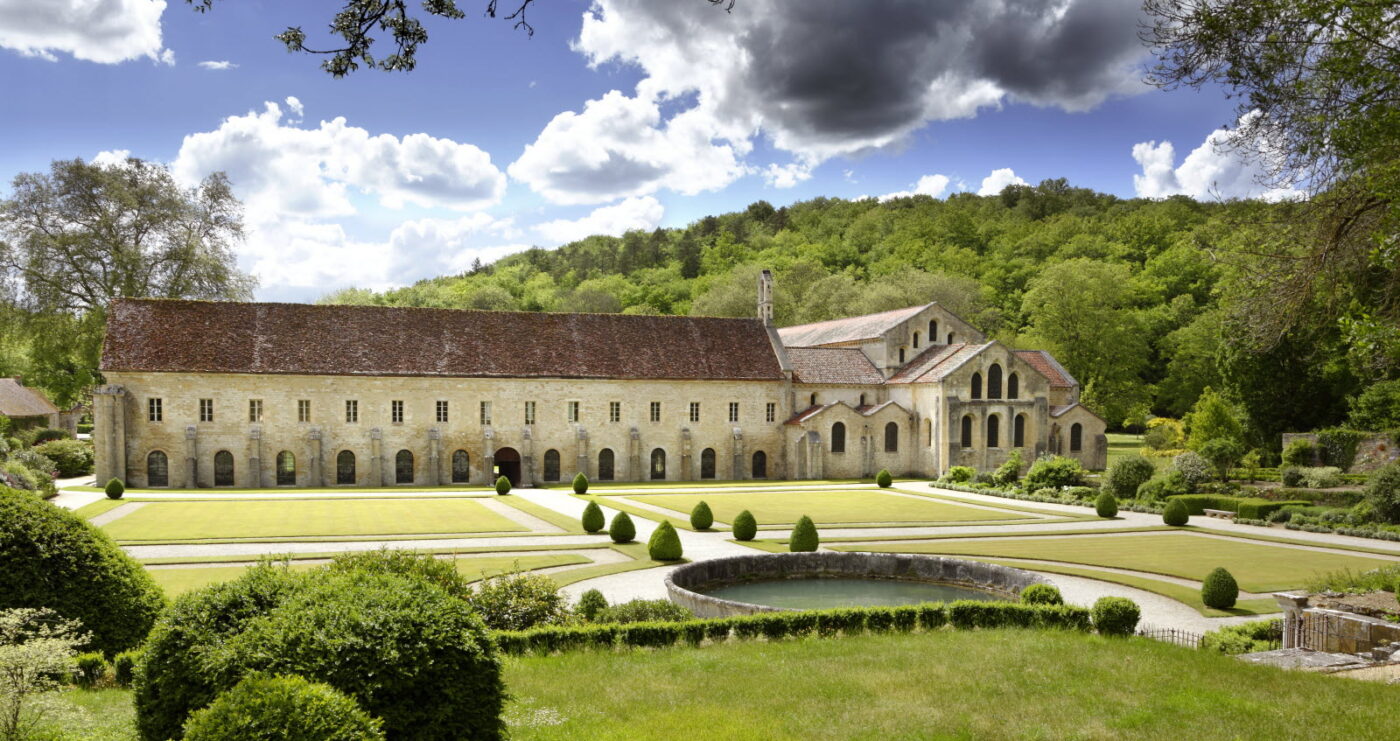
pixel 1372 452
pixel 1332 631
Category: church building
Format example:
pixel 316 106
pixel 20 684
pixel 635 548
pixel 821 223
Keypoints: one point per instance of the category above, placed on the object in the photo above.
pixel 222 394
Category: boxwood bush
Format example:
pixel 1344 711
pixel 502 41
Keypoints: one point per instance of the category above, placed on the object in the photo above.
pixel 503 486
pixel 665 543
pixel 72 457
pixel 1176 513
pixel 643 611
pixel 1219 589
pixel 593 520
pixel 1244 638
pixel 1127 474
pixel 580 483
pixel 745 526
pixel 1106 505
pixel 1055 472
pixel 285 708
pixel 701 518
pixel 1116 616
pixel 959 474
pixel 1042 594
pixel 884 479
pixel 124 667
pixel 622 530
pixel 91 669
pixel 114 489
pixel 590 603
pixel 804 536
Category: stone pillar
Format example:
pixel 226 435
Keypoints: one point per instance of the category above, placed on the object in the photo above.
pixel 315 465
pixel 434 457
pixel 686 474
pixel 634 456
pixel 254 477
pixel 527 459
pixel 488 457
pixel 1293 606
pixel 376 459
pixel 814 455
pixel 737 466
pixel 191 456
pixel 109 429
pixel 867 453
pixel 581 451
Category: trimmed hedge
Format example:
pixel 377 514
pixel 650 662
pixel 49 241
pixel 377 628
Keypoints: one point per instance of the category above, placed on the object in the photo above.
pixel 580 483
pixel 1248 508
pixel 1106 505
pixel 73 457
pixel 593 520
pixel 285 708
pixel 622 530
pixel 745 526
pixel 665 543
pixel 883 479
pixel 1219 589
pixel 1176 513
pixel 503 486
pixel 701 518
pixel 1116 616
pixel 114 489
pixel 1042 594
pixel 804 536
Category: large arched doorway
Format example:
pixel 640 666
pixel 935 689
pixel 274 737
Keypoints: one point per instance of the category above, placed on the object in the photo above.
pixel 157 469
pixel 403 467
pixel 658 465
pixel 508 465
pixel 223 468
pixel 345 468
pixel 707 463
pixel 551 465
pixel 760 465
pixel 286 469
pixel 461 467
pixel 605 464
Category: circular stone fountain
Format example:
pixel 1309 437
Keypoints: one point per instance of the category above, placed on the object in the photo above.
pixel 739 585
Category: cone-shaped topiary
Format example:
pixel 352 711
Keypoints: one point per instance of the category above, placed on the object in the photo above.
pixel 593 518
pixel 590 603
pixel 503 486
pixel 1042 594
pixel 804 536
pixel 665 543
pixel 1176 514
pixel 701 518
pixel 745 526
pixel 884 479
pixel 115 489
pixel 580 483
pixel 1106 505
pixel 1219 590
pixel 622 530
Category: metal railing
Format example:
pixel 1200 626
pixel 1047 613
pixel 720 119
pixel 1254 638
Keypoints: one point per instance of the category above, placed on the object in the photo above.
pixel 1174 636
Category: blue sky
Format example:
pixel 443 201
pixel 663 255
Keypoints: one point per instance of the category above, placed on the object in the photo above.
pixel 615 115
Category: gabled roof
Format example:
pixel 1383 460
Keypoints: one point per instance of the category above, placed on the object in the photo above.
pixel 936 363
pixel 850 329
pixel 867 410
pixel 227 337
pixel 838 365
pixel 1047 366
pixel 17 400
pixel 1060 411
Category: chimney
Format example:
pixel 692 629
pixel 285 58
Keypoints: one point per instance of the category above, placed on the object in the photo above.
pixel 765 297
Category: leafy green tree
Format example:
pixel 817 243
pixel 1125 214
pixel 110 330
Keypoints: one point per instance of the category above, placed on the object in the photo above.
pixel 1376 408
pixel 1223 453
pixel 1212 418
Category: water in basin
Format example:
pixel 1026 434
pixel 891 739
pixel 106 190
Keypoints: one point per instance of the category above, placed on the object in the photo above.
pixel 824 593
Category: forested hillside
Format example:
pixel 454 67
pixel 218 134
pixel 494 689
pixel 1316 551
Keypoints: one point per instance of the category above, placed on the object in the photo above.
pixel 1144 301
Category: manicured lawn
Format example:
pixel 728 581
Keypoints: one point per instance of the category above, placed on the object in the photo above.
pixel 1121 445
pixel 178 581
pixel 784 507
pixel 306 517
pixel 101 506
pixel 1257 567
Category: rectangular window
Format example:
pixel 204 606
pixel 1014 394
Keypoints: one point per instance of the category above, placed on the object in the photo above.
pixel 396 412
pixel 442 411
pixel 485 413
pixel 694 411
pixel 304 410
pixel 656 411
pixel 771 413
pixel 529 412
pixel 733 411
pixel 573 412
pixel 153 410
pixel 352 411
pixel 206 410
pixel 255 410
pixel 614 411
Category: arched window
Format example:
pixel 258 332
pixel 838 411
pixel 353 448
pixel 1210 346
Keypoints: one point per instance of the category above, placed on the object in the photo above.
pixel 760 464
pixel 605 464
pixel 916 340
pixel 223 468
pixel 157 469
pixel 707 463
pixel 976 385
pixel 994 431
pixel 950 338
pixel 461 467
pixel 994 381
pixel 345 467
pixel 892 438
pixel 551 465
pixel 1013 386
pixel 862 399
pixel 901 355
pixel 1018 431
pixel 967 431
pixel 286 469
pixel 933 331
pixel 403 467
pixel 1076 437
pixel 658 464
pixel 838 438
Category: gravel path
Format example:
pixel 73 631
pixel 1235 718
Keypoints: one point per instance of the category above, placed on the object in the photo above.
pixel 116 514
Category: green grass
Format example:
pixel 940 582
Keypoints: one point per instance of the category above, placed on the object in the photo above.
pixel 270 519
pixel 1256 566
pixel 178 581
pixel 226 560
pixel 101 506
pixel 746 484
pixel 784 508
pixel 366 491
pixel 558 519
pixel 1122 445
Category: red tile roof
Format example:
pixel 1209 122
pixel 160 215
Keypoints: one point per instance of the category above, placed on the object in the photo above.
pixel 226 337
pixel 17 400
pixel 1047 366
pixel 841 365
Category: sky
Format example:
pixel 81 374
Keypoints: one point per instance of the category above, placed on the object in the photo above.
pixel 613 115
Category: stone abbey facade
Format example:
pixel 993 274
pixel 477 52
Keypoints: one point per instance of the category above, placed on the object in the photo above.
pixel 203 394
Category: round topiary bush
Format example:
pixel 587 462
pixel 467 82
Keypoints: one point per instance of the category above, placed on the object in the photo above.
pixel 701 518
pixel 286 708
pixel 1115 616
pixel 622 530
pixel 53 558
pixel 665 543
pixel 1219 589
pixel 580 483
pixel 804 536
pixel 503 486
pixel 593 520
pixel 884 479
pixel 1106 505
pixel 590 603
pixel 114 489
pixel 1042 594
pixel 408 652
pixel 745 526
pixel 1176 513
pixel 1127 474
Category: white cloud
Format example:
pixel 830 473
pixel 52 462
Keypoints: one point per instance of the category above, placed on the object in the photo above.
pixel 219 65
pixel 112 158
pixel 1213 170
pixel 104 31
pixel 786 176
pixel 614 220
pixel 998 180
pixel 928 185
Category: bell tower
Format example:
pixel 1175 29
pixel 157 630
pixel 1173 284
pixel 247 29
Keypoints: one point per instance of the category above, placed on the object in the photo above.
pixel 765 297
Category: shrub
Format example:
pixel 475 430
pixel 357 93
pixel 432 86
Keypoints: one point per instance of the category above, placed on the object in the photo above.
pixel 18 476
pixel 745 526
pixel 406 651
pixel 1219 589
pixel 1245 638
pixel 285 708
pixel 590 603
pixel 1127 474
pixel 1081 492
pixel 1194 469
pixel 1116 616
pixel 421 567
pixel 1263 509
pixel 985 478
pixel 1197 504
pixel 884 479
pixel 1376 408
pixel 1291 476
pixel 644 610
pixel 124 667
pixel 1010 470
pixel 37 647
pixel 622 530
pixel 959 474
pixel 114 489
pixel 1223 454
pixel 72 457
pixel 1322 477
pixel 1299 453
pixel 49 434
pixel 517 601
pixel 665 543
pixel 701 518
pixel 1161 486
pixel 502 486
pixel 1054 471
pixel 593 520
pixel 53 558
pixel 1176 513
pixel 1106 505
pixel 580 483
pixel 1042 594
pixel 91 669
pixel 804 536
pixel 1165 433
pixel 1383 493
